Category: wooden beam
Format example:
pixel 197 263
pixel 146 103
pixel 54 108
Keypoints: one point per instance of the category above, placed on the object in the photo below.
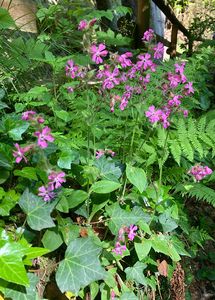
pixel 143 19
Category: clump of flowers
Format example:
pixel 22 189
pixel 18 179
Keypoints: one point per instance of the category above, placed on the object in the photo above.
pixel 120 245
pixel 84 24
pixel 44 136
pixel 98 52
pixel 199 172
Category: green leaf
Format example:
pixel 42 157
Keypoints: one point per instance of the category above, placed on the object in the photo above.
pixel 20 293
pixel 137 177
pixel 94 289
pixel 105 186
pixel 66 158
pixel 63 115
pixel 162 243
pixel 2 104
pixel 128 296
pixel 9 201
pixel 120 217
pixel 81 265
pixel 37 211
pixel 12 267
pixel 27 172
pixel 52 239
pixel 6 20
pixel 143 248
pixel 6 158
pixel 4 175
pixel 107 169
pixel 167 222
pixel 136 273
pixel 16 133
pixel 70 198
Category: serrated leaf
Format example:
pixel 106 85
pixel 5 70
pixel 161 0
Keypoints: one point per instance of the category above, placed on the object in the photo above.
pixel 143 248
pixel 105 186
pixel 136 273
pixel 81 265
pixel 27 172
pixel 37 211
pixel 120 217
pixel 137 177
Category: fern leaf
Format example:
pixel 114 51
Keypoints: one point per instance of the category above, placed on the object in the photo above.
pixel 201 124
pixel 161 137
pixel 202 192
pixel 183 139
pixel 175 150
pixel 193 136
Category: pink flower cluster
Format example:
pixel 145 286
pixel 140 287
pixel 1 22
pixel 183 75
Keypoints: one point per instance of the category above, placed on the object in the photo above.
pixel 20 152
pixel 199 172
pixel 173 104
pixel 102 152
pixel 84 24
pixel 148 35
pixel 120 245
pixel 55 181
pixel 98 52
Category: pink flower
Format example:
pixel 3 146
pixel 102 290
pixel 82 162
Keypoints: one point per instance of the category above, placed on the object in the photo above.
pixel 124 59
pixel 19 154
pixel 180 68
pixel 174 79
pixel 70 89
pixel 175 101
pixel 46 193
pixel 99 153
pixel 189 88
pixel 71 69
pixel 112 295
pixel 119 248
pixel 159 50
pixel 153 114
pixel 199 172
pixel 185 112
pixel 111 79
pixel 27 115
pixel 82 25
pixel 56 180
pixel 43 137
pixel 148 35
pixel 144 61
pixel 98 52
pixel 40 120
pixel 132 233
pixel 92 22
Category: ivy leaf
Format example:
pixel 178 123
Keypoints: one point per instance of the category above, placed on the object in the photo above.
pixel 120 217
pixel 136 273
pixel 12 267
pixel 52 239
pixel 16 133
pixel 105 186
pixel 137 177
pixel 142 249
pixel 81 265
pixel 37 211
pixel 107 169
pixel 167 222
pixel 18 292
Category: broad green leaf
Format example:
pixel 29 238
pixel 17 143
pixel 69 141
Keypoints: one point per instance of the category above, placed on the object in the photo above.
pixel 6 158
pixel 162 243
pixel 6 21
pixel 167 222
pixel 81 265
pixel 137 177
pixel 34 252
pixel 107 169
pixel 4 175
pixel 2 94
pixel 27 172
pixel 120 217
pixel 66 158
pixel 94 289
pixel 105 186
pixel 12 267
pixel 63 115
pixel 37 211
pixel 70 198
pixel 2 104
pixel 143 248
pixel 52 239
pixel 128 296
pixel 16 133
pixel 136 273
pixel 18 292
pixel 8 202
pixel 179 246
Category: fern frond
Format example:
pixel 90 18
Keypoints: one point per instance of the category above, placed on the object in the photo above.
pixel 202 192
pixel 193 136
pixel 175 150
pixel 183 139
pixel 202 124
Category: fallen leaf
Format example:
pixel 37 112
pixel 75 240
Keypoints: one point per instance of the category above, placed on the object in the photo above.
pixel 163 268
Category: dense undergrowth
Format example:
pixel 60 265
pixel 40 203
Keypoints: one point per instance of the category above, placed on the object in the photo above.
pixel 107 159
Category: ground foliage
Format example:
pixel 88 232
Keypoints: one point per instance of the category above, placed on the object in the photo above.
pixel 96 200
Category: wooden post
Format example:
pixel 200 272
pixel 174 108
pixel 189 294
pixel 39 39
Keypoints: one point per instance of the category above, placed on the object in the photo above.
pixel 173 44
pixel 143 19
